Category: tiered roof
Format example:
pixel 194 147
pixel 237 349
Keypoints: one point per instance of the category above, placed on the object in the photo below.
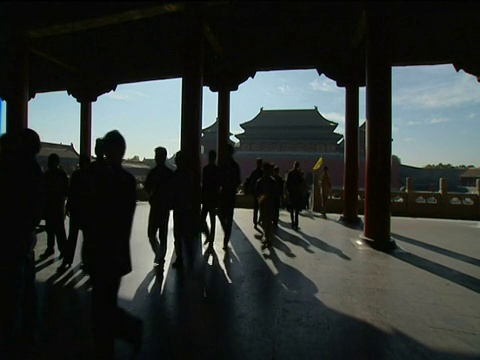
pixel 303 124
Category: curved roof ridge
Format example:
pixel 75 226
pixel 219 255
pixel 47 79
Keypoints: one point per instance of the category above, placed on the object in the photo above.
pixel 287 117
pixel 213 128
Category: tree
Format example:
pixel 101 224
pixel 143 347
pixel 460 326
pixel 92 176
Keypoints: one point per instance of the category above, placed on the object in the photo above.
pixel 135 158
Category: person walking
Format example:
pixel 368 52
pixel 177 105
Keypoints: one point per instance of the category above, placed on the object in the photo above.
pixel 293 187
pixel 325 189
pixel 56 187
pixel 279 190
pixel 22 198
pixel 251 188
pixel 159 186
pixel 78 201
pixel 211 181
pixel 231 179
pixel 266 188
pixel 107 250
pixel 182 222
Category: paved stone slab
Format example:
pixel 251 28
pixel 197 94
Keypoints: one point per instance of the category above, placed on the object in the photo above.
pixel 314 296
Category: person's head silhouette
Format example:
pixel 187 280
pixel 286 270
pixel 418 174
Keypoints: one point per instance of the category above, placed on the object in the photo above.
pixel 212 156
pixel 28 143
pixel 100 148
pixel 115 147
pixel 53 161
pixel 180 160
pixel 160 155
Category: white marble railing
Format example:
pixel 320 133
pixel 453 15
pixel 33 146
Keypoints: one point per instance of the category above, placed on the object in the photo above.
pixel 416 204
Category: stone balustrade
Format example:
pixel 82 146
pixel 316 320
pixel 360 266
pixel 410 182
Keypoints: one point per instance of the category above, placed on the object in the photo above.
pixel 441 204
pixel 427 204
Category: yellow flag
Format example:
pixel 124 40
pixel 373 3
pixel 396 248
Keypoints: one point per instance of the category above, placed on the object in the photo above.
pixel 319 163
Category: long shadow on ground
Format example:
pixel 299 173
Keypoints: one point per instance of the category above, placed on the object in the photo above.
pixel 228 306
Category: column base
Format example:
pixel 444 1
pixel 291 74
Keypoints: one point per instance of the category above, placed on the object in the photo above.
pixel 386 245
pixel 355 223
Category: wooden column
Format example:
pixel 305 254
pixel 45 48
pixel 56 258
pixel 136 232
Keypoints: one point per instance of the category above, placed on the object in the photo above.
pixel 223 134
pixel 192 84
pixel 350 174
pixel 18 87
pixel 86 128
pixel 379 132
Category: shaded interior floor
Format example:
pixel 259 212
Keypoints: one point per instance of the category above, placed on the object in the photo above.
pixel 317 295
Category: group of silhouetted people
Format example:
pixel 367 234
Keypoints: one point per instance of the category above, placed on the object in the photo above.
pixel 173 190
pixel 100 200
pixel 271 193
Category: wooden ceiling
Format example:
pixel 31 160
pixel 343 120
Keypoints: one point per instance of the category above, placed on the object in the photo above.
pixel 125 42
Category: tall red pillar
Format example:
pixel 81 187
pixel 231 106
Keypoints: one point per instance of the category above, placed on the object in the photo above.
pixel 18 87
pixel 192 86
pixel 223 134
pixel 350 174
pixel 86 128
pixel 379 132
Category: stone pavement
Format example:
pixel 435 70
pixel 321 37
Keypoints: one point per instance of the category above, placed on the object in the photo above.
pixel 319 294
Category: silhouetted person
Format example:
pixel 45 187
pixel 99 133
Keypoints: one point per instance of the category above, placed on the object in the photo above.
pixel 100 162
pixel 325 190
pixel 107 249
pixel 159 186
pixel 293 187
pixel 211 181
pixel 251 186
pixel 279 190
pixel 78 207
pixel 182 222
pixel 21 204
pixel 266 190
pixel 230 173
pixel 56 187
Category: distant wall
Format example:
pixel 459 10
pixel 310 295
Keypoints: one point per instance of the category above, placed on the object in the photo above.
pixel 335 162
pixel 428 179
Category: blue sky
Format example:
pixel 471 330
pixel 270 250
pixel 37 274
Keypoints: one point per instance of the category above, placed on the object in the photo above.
pixel 436 111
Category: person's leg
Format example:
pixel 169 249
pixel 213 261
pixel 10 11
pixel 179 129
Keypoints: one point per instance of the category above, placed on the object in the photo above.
pixel 163 236
pixel 276 212
pixel 50 230
pixel 228 226
pixel 255 211
pixel 104 304
pixel 292 218
pixel 324 204
pixel 177 234
pixel 211 236
pixel 71 244
pixel 61 235
pixel 203 221
pixel 152 228
pixel 297 211
pixel 269 228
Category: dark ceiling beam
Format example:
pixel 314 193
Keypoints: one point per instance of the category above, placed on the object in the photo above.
pixel 212 39
pixel 360 31
pixel 54 60
pixel 126 16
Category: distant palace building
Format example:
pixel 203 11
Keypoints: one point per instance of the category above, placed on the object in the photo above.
pixel 285 136
pixel 303 131
pixel 69 160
